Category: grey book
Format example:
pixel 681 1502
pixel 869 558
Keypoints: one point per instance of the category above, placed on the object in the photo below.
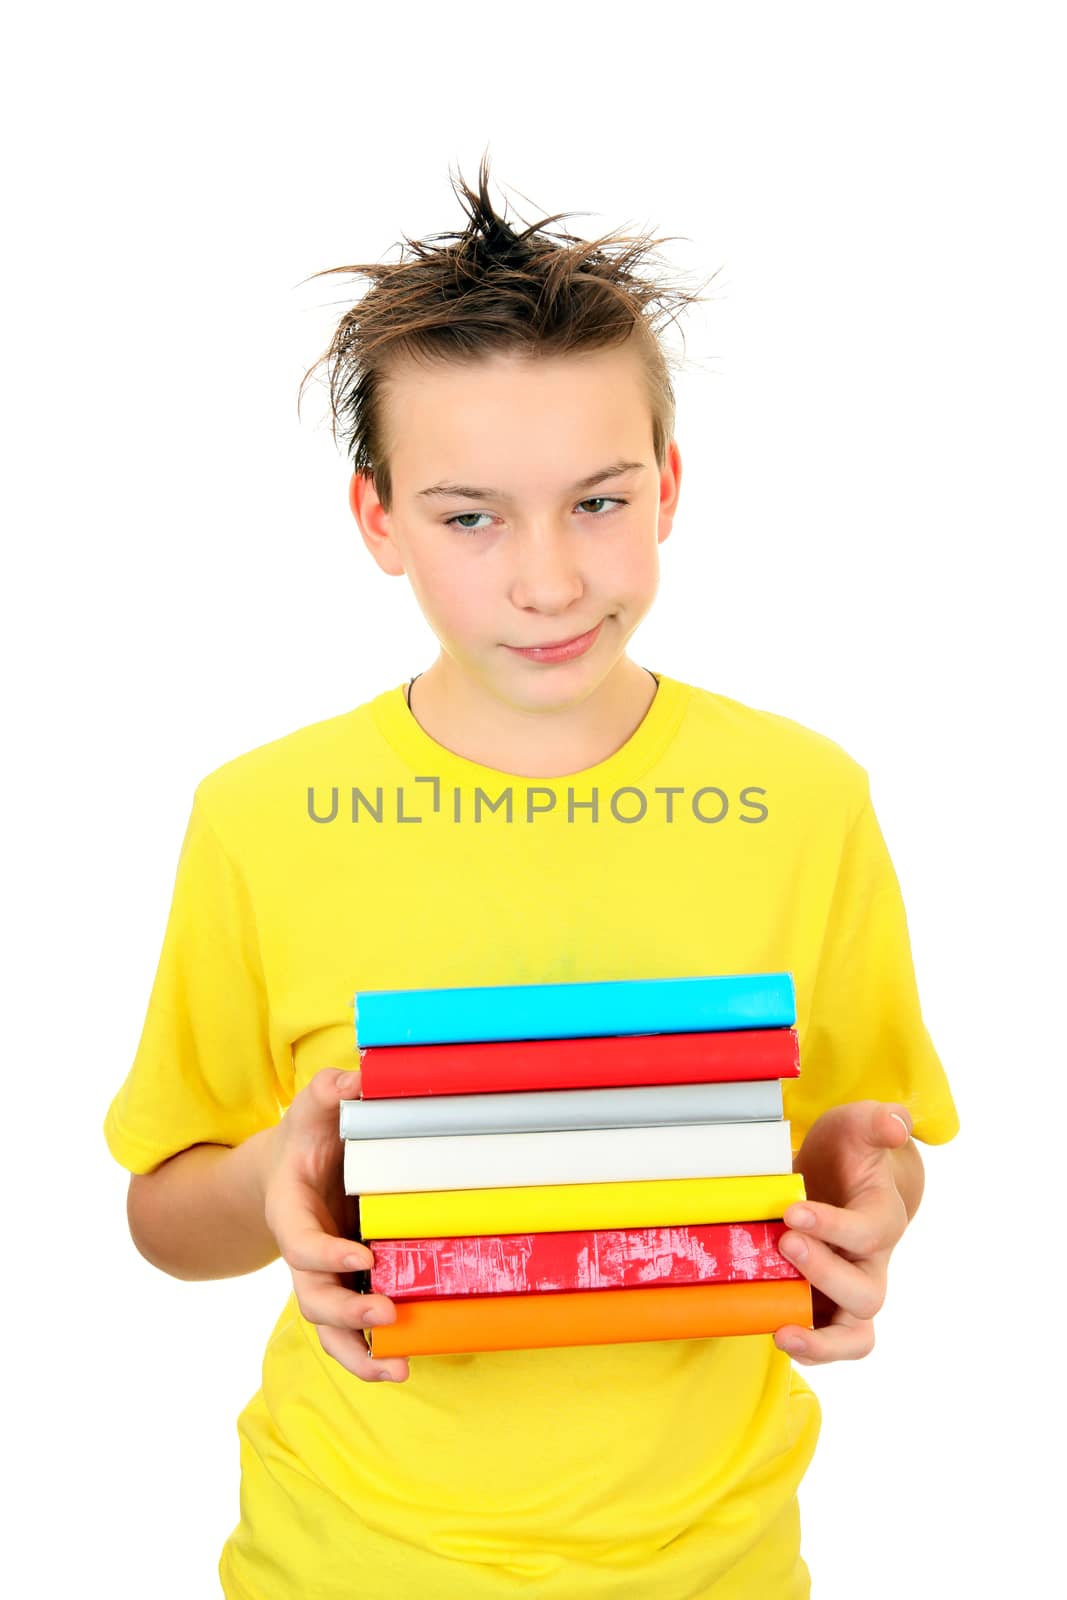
pixel 548 1110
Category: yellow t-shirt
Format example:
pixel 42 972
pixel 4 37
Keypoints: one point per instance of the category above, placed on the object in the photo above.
pixel 358 853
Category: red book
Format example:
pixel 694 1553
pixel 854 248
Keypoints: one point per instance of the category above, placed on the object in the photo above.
pixel 590 1258
pixel 489 1066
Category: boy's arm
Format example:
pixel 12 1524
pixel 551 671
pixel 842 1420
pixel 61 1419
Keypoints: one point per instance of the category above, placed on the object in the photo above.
pixel 201 1214
pixel 204 1214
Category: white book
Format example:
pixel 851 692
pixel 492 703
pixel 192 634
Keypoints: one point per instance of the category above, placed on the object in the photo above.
pixel 582 1155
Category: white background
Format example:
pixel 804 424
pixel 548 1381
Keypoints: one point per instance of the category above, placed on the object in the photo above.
pixel 869 540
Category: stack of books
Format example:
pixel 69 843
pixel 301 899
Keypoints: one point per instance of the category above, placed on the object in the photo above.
pixel 575 1163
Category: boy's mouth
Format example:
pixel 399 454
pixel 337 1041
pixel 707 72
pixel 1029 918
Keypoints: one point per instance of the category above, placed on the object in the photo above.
pixel 563 650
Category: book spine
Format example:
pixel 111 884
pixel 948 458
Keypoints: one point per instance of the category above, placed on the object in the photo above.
pixel 610 1316
pixel 593 1259
pixel 577 1155
pixel 555 1208
pixel 572 1010
pixel 549 1110
pixel 487 1066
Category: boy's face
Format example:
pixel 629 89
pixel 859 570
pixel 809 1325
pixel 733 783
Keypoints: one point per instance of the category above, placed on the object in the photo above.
pixel 533 556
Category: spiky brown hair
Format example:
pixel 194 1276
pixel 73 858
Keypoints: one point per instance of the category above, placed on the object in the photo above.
pixel 490 289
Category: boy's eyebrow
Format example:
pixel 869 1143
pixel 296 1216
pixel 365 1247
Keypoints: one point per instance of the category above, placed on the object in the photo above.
pixel 465 491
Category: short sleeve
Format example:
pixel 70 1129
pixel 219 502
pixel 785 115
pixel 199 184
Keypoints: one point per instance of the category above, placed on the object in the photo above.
pixel 866 1038
pixel 206 1070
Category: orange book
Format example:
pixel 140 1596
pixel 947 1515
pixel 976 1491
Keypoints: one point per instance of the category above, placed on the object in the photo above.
pixel 467 1323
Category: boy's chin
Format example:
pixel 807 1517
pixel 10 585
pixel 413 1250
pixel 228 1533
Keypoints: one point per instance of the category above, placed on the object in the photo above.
pixel 537 686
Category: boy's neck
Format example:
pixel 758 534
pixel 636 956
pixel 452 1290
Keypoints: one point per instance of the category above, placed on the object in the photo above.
pixel 531 743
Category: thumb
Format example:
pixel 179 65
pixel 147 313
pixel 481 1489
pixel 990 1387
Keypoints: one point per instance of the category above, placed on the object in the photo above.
pixel 317 1106
pixel 347 1082
pixel 331 1084
pixel 897 1117
pixel 877 1124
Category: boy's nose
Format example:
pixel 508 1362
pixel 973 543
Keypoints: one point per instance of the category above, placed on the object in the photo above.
pixel 546 574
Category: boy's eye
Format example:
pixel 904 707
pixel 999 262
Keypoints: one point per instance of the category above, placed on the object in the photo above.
pixel 598 499
pixel 457 521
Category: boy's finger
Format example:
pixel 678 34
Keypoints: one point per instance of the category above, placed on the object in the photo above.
pixel 350 1349
pixel 856 1286
pixel 306 1231
pixel 331 1084
pixel 872 1223
pixel 306 1246
pixel 838 1341
pixel 323 1300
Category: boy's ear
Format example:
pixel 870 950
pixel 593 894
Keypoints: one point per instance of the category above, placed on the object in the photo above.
pixel 670 485
pixel 373 524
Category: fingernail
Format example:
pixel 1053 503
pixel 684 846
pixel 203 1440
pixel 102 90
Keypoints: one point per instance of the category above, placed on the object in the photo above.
pixel 903 1124
pixel 346 1080
pixel 795 1347
pixel 799 1217
pixel 377 1319
pixel 795 1249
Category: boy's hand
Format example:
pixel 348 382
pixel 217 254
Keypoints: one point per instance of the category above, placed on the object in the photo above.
pixel 860 1214
pixel 308 1213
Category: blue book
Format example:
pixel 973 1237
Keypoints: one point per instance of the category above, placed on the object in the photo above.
pixel 575 1010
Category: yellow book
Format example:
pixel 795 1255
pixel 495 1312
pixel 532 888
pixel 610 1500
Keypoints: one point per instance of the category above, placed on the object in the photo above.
pixel 557 1207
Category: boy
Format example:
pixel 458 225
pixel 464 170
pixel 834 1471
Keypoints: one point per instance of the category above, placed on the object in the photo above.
pixel 534 807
